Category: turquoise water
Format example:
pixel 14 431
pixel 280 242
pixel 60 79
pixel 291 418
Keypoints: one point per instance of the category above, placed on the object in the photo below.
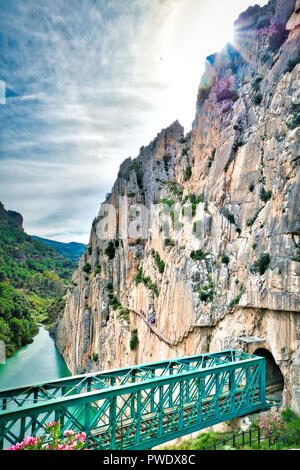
pixel 36 362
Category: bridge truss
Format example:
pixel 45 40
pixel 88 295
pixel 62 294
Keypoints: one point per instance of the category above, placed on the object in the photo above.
pixel 142 406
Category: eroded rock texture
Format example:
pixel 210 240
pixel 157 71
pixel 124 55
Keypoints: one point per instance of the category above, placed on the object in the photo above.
pixel 238 172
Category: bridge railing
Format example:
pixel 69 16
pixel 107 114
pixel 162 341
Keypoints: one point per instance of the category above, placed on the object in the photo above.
pixel 32 394
pixel 144 414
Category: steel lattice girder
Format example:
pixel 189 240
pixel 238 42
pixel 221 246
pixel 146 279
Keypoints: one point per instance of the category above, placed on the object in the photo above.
pixel 146 410
pixel 20 396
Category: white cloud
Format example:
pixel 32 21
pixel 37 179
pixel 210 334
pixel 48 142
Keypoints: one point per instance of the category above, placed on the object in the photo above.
pixel 91 83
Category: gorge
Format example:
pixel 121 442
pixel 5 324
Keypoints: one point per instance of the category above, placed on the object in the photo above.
pixel 222 269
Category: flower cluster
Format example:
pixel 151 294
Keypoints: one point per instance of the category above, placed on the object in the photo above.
pixel 28 443
pixel 271 424
pixel 53 440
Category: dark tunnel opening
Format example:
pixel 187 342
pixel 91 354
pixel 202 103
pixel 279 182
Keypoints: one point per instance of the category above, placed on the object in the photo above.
pixel 274 377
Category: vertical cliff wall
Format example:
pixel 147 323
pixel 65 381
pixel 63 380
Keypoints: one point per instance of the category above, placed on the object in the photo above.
pixel 202 231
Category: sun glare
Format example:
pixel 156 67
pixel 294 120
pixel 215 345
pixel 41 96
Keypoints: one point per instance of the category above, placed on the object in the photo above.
pixel 224 36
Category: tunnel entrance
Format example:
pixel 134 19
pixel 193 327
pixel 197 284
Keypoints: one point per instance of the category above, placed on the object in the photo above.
pixel 274 377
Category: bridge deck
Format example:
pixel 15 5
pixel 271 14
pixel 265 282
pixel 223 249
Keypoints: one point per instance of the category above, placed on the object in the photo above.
pixel 141 406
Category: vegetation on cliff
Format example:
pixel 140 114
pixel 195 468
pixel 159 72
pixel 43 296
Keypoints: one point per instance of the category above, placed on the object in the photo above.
pixel 32 277
pixel 17 318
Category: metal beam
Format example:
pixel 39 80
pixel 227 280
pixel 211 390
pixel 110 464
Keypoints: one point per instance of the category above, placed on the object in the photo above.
pixel 143 406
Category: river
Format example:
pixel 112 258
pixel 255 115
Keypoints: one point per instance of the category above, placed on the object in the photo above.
pixel 37 362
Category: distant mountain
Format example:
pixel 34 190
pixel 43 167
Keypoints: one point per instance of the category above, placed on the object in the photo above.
pixel 32 278
pixel 71 250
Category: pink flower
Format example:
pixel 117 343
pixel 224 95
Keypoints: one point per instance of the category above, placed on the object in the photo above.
pixel 15 447
pixel 50 425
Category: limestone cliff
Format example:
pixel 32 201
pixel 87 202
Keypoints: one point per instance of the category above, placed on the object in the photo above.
pixel 224 263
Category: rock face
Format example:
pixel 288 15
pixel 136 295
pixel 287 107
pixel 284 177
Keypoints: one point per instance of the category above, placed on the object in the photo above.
pixel 17 218
pixel 224 263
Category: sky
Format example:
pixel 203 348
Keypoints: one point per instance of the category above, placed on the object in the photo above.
pixel 87 83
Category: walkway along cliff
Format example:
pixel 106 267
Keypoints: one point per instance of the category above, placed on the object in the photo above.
pixel 222 269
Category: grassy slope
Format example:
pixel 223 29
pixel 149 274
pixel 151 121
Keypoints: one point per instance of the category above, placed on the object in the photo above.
pixel 286 437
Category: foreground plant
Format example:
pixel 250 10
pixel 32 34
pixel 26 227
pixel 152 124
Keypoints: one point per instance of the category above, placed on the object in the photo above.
pixel 271 425
pixel 53 440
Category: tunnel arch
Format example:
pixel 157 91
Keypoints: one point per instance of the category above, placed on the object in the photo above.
pixel 273 373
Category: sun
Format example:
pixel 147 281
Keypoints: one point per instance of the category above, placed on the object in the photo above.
pixel 223 36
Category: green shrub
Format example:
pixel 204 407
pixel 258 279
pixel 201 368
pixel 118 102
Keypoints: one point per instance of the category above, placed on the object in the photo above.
pixel 256 83
pixel 109 286
pixel 237 144
pixel 236 300
pixel 134 339
pixel 290 435
pixel 283 434
pixel 261 265
pixel 225 259
pixel 251 187
pixel 124 313
pixel 265 195
pixel 169 242
pixel 140 278
pixel 194 199
pixel 196 225
pixel 257 98
pixel 288 415
pixel 251 221
pixel 110 250
pixel 138 171
pixel 198 255
pixel 95 357
pixel 271 425
pixel 159 263
pixel 167 202
pixel 228 215
pixel 97 270
pixel 187 173
pixel 205 295
pixel 211 158
pixel 17 322
pixel 114 302
pixel 87 268
pixel 167 158
pixel 176 189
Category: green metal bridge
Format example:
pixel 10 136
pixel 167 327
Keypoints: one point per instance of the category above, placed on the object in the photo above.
pixel 142 406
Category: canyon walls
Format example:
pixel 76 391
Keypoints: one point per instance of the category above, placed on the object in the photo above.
pixel 202 231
